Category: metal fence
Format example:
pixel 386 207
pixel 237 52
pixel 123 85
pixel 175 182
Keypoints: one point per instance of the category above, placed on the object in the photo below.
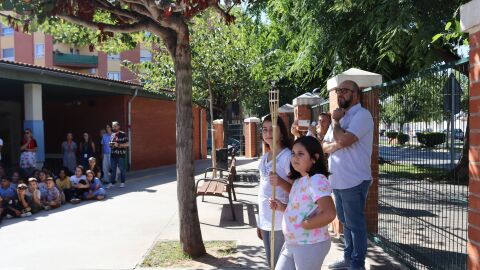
pixel 423 188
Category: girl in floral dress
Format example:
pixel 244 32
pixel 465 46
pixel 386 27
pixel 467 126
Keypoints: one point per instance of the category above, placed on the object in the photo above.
pixel 309 209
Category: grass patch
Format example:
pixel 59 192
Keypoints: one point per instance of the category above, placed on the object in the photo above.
pixel 415 172
pixel 170 254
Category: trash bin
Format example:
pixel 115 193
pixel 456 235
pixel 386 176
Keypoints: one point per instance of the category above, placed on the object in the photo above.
pixel 222 158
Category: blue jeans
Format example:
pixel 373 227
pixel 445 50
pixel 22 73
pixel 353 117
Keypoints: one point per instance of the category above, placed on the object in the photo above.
pixel 350 204
pixel 279 241
pixel 120 163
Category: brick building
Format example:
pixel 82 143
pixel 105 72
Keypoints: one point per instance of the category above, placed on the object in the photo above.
pixel 56 88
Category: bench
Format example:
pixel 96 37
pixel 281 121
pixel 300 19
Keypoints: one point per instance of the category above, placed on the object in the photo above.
pixel 219 187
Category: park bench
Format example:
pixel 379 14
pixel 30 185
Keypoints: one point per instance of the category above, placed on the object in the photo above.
pixel 219 186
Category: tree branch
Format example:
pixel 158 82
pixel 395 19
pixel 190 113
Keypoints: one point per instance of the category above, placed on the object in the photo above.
pixel 128 28
pixel 105 5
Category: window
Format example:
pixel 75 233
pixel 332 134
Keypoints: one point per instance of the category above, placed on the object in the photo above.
pixel 8 54
pixel 114 76
pixel 7 31
pixel 114 56
pixel 92 71
pixel 145 56
pixel 39 50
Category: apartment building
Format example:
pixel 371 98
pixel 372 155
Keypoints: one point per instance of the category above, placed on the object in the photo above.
pixel 41 50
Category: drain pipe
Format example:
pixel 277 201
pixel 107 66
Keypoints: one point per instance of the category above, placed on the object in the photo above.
pixel 130 127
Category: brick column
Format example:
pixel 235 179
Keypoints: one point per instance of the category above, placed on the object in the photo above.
pixel 470 22
pixel 302 113
pixel 251 129
pixel 218 127
pixel 370 101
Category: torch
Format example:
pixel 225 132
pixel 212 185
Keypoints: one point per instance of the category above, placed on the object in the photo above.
pixel 273 102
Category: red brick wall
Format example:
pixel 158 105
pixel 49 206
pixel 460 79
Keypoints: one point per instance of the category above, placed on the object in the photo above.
pixel 48 51
pixel 153 133
pixel 91 115
pixel 23 48
pixel 132 56
pixel 473 247
pixel 102 64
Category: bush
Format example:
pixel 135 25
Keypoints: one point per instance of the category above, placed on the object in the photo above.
pixel 402 138
pixel 431 139
pixel 392 134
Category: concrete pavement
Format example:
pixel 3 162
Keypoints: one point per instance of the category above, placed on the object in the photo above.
pixel 118 232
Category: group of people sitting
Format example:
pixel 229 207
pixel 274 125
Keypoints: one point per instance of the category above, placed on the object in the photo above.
pixel 22 197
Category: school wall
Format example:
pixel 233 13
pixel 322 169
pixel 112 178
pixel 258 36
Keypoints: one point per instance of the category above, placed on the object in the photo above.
pixel 154 135
pixel 79 116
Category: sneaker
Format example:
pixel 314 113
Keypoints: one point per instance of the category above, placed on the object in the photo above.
pixel 47 207
pixel 9 216
pixel 74 201
pixel 23 215
pixel 109 186
pixel 122 185
pixel 340 265
pixel 27 214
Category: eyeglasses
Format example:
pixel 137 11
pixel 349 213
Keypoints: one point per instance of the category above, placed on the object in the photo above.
pixel 342 90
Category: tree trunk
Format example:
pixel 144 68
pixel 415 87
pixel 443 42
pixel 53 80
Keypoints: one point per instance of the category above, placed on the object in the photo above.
pixel 226 121
pixel 190 233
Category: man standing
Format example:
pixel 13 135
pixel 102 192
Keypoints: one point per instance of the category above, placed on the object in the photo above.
pixel 106 150
pixel 119 145
pixel 349 142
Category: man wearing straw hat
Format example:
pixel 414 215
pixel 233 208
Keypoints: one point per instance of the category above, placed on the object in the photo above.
pixel 349 142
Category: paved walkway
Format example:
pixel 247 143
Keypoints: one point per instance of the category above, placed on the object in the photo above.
pixel 117 233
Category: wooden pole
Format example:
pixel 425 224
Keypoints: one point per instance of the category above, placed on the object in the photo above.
pixel 273 102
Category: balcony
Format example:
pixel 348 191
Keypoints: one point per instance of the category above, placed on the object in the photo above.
pixel 75 60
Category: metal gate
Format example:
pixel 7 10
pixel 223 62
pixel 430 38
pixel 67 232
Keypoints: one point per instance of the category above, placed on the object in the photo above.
pixel 423 191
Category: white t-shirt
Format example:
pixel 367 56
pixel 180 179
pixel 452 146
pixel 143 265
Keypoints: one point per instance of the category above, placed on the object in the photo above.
pixel 1 144
pixel 75 180
pixel 265 189
pixel 350 166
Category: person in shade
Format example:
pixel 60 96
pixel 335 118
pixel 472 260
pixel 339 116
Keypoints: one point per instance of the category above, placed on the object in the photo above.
pixel 96 191
pixel 119 144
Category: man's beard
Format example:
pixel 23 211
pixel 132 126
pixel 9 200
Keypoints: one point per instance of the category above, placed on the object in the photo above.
pixel 345 103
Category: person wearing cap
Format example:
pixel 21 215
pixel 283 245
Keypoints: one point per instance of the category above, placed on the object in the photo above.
pixel 18 206
pixel 34 196
pixel 52 198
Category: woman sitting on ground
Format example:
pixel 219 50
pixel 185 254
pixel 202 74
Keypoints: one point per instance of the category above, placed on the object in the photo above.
pixel 64 185
pixel 34 195
pixel 96 191
pixel 52 197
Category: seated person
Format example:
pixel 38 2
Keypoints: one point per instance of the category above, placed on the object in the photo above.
pixel 6 191
pixel 79 184
pixel 92 165
pixel 52 197
pixel 96 191
pixel 42 182
pixel 16 179
pixel 64 185
pixel 18 206
pixel 34 196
